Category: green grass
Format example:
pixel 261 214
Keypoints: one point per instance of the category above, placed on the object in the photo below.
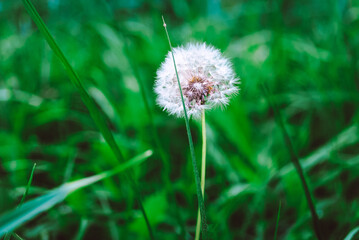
pixel 88 101
pixel 25 212
pixel 277 224
pixel 8 235
pixel 305 52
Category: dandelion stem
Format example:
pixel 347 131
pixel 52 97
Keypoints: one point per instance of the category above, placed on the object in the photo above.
pixel 203 170
pixel 194 162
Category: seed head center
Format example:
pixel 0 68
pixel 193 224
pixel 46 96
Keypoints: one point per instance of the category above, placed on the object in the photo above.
pixel 196 91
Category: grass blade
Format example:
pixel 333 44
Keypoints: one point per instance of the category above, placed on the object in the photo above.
pixel 28 185
pixel 347 137
pixel 83 226
pixel 193 156
pixel 112 225
pixel 88 101
pixel 90 104
pixel 295 160
pixel 277 223
pixel 16 237
pixel 352 233
pixel 9 234
pixel 15 218
pixel 159 147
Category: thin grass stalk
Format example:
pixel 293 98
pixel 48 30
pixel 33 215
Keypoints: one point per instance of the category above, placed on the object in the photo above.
pixel 193 156
pixel 9 234
pixel 28 185
pixel 164 158
pixel 16 237
pixel 203 170
pixel 149 113
pixel 95 113
pixel 295 160
pixel 148 109
pixel 277 223
pixel 83 226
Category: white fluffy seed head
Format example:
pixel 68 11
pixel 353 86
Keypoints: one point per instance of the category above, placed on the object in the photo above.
pixel 207 80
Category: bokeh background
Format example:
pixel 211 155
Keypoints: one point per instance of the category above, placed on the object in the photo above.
pixel 305 52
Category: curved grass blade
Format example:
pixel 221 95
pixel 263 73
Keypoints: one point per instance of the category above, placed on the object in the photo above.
pixel 194 162
pixel 15 218
pixel 352 233
pixel 88 101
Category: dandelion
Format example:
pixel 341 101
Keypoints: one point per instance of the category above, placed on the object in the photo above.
pixel 201 79
pixel 207 79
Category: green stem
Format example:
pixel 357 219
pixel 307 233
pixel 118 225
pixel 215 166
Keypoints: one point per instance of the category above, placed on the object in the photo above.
pixel 203 170
pixel 191 147
pixel 295 160
pixel 28 185
pixel 277 223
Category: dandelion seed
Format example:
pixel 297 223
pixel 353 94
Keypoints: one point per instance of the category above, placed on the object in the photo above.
pixel 206 77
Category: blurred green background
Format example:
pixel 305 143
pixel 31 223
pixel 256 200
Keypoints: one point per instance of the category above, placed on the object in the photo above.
pixel 307 54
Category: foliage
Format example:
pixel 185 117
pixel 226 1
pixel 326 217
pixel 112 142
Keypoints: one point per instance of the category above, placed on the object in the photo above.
pixel 305 52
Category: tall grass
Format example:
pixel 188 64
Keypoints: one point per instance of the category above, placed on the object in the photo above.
pixel 88 101
pixel 305 52
pixel 295 160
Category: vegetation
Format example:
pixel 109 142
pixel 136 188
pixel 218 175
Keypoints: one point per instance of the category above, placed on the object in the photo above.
pixel 97 119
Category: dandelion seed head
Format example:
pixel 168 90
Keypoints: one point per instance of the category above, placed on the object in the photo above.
pixel 207 80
